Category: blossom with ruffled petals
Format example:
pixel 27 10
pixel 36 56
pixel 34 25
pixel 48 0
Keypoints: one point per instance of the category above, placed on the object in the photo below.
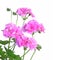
pixel 22 41
pixel 12 31
pixel 31 26
pixel 10 28
pixel 24 11
pixel 27 42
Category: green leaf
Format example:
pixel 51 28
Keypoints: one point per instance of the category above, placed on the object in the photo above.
pixel 11 55
pixel 17 57
pixel 4 42
pixel 8 9
pixel 14 13
pixel 2 54
pixel 38 47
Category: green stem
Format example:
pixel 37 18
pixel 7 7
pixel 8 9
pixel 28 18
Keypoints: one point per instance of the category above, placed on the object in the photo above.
pixel 33 54
pixel 25 53
pixel 17 20
pixel 14 46
pixel 9 43
pixel 11 15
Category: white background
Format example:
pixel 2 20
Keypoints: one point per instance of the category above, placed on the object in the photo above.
pixel 42 10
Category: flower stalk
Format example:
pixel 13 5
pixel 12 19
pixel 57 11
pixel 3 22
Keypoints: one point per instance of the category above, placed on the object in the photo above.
pixel 9 43
pixel 33 54
pixel 11 15
pixel 17 20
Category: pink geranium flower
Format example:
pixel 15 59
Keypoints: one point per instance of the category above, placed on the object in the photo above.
pixel 10 28
pixel 12 31
pixel 26 42
pixel 24 11
pixel 31 26
pixel 22 41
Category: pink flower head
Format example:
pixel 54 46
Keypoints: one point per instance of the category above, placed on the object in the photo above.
pixel 41 28
pixel 32 43
pixel 9 30
pixel 31 26
pixel 24 11
pixel 26 42
pixel 22 41
pixel 12 31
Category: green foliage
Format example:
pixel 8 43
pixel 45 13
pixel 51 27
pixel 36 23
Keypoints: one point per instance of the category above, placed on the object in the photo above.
pixel 4 42
pixel 11 55
pixel 7 54
pixel 2 54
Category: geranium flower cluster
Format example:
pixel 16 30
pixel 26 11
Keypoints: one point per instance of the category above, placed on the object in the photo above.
pixel 24 11
pixel 33 26
pixel 13 31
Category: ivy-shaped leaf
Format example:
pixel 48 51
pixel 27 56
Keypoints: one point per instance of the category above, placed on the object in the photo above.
pixel 11 55
pixel 4 42
pixel 2 54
